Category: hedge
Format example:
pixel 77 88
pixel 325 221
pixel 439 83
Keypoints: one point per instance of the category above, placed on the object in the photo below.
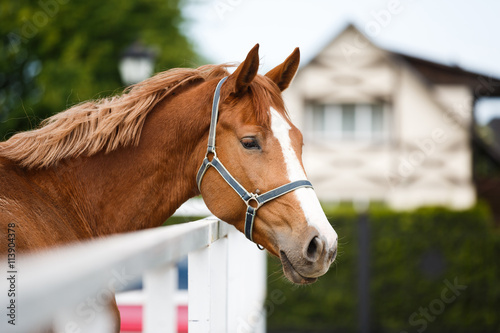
pixel 431 270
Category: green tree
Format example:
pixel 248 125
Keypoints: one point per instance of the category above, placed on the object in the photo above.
pixel 55 53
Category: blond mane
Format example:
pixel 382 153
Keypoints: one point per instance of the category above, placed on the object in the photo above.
pixel 100 125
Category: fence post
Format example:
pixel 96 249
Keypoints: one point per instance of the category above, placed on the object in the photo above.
pixel 247 279
pixel 207 281
pixel 71 284
pixel 160 310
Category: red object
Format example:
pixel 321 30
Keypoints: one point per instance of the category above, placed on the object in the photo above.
pixel 182 319
pixel 131 316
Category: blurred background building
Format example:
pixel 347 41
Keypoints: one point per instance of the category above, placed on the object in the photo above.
pixel 387 127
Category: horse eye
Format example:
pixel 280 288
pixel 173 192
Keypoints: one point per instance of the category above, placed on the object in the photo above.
pixel 250 143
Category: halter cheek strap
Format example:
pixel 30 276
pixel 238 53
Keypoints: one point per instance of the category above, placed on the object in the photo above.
pixel 252 200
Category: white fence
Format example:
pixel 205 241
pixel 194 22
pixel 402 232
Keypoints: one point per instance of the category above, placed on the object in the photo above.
pixel 69 287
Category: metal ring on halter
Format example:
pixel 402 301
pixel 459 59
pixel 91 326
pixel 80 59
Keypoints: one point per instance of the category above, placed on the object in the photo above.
pixel 254 198
pixel 246 196
pixel 213 153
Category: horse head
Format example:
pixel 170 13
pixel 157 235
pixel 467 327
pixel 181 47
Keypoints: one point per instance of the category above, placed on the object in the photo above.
pixel 261 150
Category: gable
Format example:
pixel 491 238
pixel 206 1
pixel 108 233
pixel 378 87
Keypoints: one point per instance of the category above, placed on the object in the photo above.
pixel 349 69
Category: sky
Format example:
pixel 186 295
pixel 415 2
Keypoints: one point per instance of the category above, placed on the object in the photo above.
pixel 453 32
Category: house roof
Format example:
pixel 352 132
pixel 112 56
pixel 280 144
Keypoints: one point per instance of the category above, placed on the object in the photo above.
pixel 482 85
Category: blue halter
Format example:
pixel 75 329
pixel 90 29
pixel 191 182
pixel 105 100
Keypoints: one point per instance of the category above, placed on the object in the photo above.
pixel 252 200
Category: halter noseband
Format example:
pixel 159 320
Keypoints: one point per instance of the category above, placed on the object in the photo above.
pixel 247 197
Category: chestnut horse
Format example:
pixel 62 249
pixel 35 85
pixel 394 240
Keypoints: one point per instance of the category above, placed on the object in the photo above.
pixel 128 162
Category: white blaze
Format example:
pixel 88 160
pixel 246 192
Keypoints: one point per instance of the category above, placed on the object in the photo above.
pixel 306 196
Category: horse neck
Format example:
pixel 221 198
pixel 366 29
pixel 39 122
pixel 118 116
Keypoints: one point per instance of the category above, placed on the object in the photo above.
pixel 140 186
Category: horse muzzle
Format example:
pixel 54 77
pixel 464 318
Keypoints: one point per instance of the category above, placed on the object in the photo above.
pixel 312 259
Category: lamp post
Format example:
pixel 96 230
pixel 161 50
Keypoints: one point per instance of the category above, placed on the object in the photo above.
pixel 361 205
pixel 136 63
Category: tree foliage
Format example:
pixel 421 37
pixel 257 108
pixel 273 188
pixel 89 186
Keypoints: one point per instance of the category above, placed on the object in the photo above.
pixel 55 53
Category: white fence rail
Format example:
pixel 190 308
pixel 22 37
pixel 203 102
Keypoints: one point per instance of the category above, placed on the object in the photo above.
pixel 69 287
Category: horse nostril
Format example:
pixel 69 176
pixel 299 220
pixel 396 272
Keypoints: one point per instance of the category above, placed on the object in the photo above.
pixel 314 249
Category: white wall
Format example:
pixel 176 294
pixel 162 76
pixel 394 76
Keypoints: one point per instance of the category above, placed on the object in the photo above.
pixel 426 161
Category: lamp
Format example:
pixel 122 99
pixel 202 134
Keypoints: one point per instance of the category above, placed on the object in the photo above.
pixel 136 63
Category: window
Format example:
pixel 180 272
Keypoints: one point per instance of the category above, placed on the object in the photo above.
pixel 354 122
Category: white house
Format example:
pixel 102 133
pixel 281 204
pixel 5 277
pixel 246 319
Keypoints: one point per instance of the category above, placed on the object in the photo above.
pixel 387 127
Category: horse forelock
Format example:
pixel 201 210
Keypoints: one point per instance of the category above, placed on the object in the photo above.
pixel 266 95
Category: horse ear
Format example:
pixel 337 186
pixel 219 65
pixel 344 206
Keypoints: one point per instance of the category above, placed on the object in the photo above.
pixel 246 71
pixel 283 74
